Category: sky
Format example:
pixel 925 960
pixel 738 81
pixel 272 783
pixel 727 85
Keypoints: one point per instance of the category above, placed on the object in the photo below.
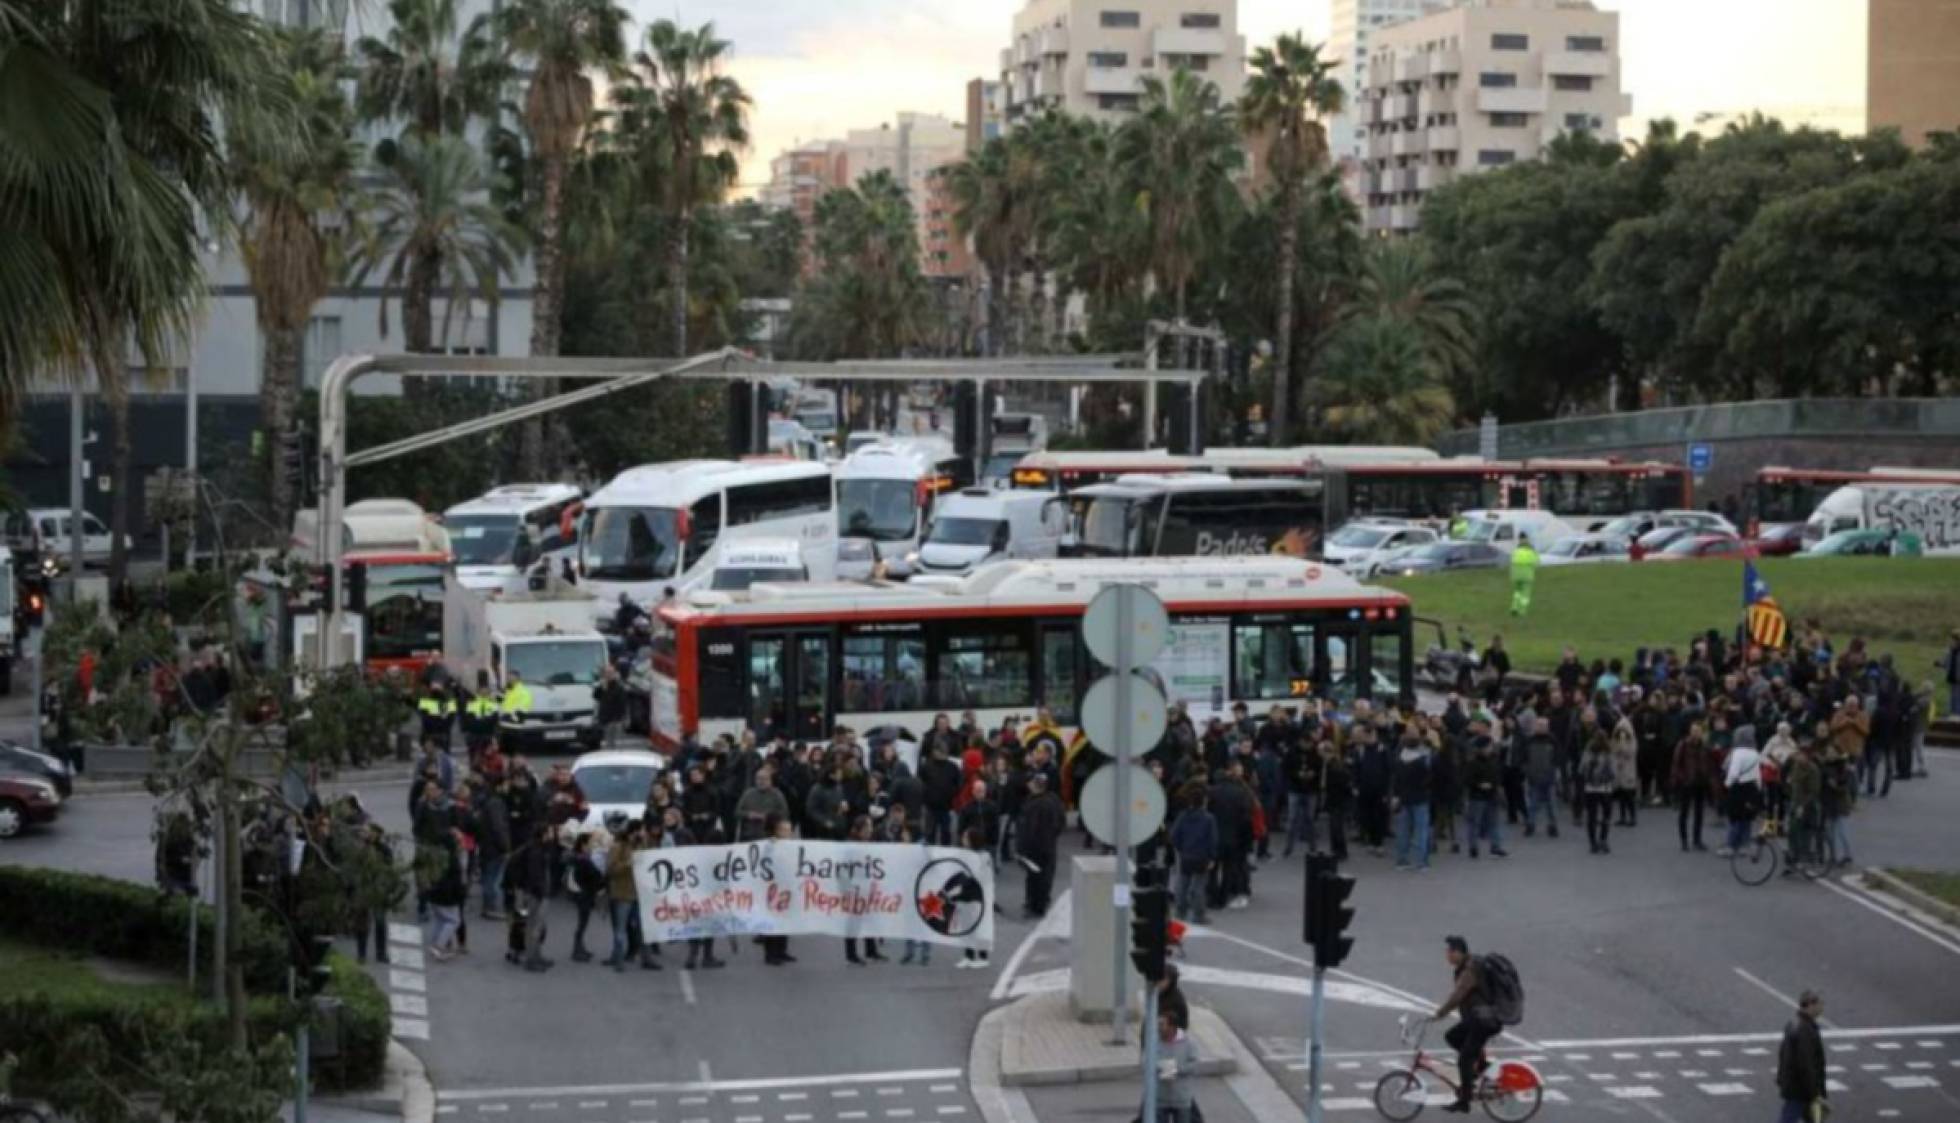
pixel 817 68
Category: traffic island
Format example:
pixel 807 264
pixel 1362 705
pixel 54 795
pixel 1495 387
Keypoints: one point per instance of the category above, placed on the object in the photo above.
pixel 1043 1042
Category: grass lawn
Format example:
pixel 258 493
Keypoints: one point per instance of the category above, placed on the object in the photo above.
pixel 30 969
pixel 1906 606
pixel 1933 883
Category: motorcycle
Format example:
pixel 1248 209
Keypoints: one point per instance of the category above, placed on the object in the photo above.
pixel 1449 668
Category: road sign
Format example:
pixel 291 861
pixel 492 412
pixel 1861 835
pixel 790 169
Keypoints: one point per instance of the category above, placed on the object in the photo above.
pixel 1701 457
pixel 1104 725
pixel 1149 625
pixel 1098 805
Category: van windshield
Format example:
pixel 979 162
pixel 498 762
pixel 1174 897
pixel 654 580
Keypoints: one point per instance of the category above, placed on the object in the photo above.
pixel 558 662
pixel 881 510
pixel 1484 530
pixel 482 539
pixel 631 543
pixel 736 578
pixel 966 532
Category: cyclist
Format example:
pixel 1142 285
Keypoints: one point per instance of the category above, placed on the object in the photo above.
pixel 1477 1022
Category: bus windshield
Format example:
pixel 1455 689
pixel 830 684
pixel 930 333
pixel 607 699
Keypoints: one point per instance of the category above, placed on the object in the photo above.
pixel 570 662
pixel 632 543
pixel 1107 528
pixel 403 610
pixel 881 510
pixel 482 539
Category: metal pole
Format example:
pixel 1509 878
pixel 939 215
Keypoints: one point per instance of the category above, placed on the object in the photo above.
pixel 75 450
pixel 1151 341
pixel 34 738
pixel 1313 1047
pixel 1125 749
pixel 197 896
pixel 299 1050
pixel 1150 1059
pixel 218 905
pixel 190 464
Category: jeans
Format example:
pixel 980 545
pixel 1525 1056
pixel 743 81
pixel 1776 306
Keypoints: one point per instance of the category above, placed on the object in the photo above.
pixel 442 928
pixel 1793 1111
pixel 1538 797
pixel 377 923
pixel 1694 800
pixel 1840 839
pixel 1412 835
pixel 1599 818
pixel 625 914
pixel 1190 895
pixel 1875 760
pixel 939 828
pixel 1299 820
pixel 1481 822
pixel 490 874
pixel 1739 833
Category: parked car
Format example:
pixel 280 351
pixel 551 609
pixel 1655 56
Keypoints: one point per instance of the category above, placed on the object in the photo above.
pixel 16 757
pixel 1437 557
pixel 1867 543
pixel 1696 547
pixel 26 800
pixel 615 783
pixel 1585 549
pixel 1708 521
pixel 1656 540
pixel 1359 544
pixel 1779 541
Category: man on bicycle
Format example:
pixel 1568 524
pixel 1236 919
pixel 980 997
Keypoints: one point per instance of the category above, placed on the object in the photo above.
pixel 1477 1023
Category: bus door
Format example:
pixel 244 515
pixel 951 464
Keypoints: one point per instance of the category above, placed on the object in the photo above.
pixel 789 684
pixel 1515 493
pixel 1341 661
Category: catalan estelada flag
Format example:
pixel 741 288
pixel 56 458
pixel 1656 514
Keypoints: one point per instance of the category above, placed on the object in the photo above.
pixel 1768 627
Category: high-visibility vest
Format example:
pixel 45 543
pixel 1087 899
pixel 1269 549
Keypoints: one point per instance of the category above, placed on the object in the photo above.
pixel 433 706
pixel 517 699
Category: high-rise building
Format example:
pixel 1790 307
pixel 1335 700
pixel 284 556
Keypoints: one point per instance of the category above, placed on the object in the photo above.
pixel 1912 67
pixel 942 251
pixel 1349 38
pixel 799 177
pixel 911 150
pixel 1090 57
pixel 984 112
pixel 1481 85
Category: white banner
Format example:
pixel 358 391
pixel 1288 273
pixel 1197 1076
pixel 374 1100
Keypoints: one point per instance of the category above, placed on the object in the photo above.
pixel 789 887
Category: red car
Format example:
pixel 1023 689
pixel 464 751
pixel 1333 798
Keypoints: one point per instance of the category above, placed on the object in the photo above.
pixel 24 801
pixel 1700 547
pixel 1779 541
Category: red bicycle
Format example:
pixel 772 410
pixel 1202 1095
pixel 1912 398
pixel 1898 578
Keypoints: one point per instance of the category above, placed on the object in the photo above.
pixel 1510 1091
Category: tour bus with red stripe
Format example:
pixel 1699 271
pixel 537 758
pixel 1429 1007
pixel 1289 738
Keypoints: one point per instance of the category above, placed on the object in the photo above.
pixel 801 659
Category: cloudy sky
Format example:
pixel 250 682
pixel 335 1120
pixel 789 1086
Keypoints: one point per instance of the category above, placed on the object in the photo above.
pixel 819 67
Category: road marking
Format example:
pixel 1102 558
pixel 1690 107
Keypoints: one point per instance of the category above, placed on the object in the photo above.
pixel 1725 1089
pixel 418 1028
pixel 1667 1054
pixel 797 1117
pixel 1634 1092
pixel 1603 1077
pixel 743 1099
pixel 1928 1044
pixel 953 1109
pixel 852 1114
pixel 413 1004
pixel 942 1089
pixel 1859 898
pixel 492 1109
pixel 1050 924
pixel 545 1105
pixel 404 934
pixel 844 1093
pixel 690 1101
pixel 399 979
pixel 588 1105
pixel 1888 1046
pixel 1919 1065
pixel 768 1084
pixel 1735 1072
pixel 687 987
pixel 1755 1052
pixel 891 1091
pixel 890 1113
pixel 1578 1056
pixel 408 957
pixel 1646 1076
pixel 1875 1067
pixel 1836 1086
pixel 748 1119
pixel 1708 1052
pixel 1910 1081
pixel 792 1095
pixel 645 1103
pixel 1831 1035
pixel 1782 999
pixel 1625 1056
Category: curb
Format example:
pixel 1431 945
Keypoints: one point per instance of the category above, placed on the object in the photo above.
pixel 1913 898
pixel 418 1102
pixel 85 786
pixel 997 1103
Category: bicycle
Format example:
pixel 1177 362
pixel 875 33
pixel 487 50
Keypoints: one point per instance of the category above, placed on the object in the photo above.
pixel 1808 850
pixel 1509 1091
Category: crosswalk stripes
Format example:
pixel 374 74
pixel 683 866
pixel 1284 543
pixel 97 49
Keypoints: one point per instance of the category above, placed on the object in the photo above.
pixel 407 985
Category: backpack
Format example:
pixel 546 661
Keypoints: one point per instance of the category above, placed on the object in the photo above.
pixel 1502 991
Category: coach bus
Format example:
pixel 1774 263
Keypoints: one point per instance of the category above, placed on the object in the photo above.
pixel 885 494
pixel 1066 471
pixel 1198 515
pixel 801 659
pixel 660 527
pixel 1781 496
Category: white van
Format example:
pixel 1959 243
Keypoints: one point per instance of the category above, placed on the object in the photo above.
pixel 981 524
pixel 744 563
pixel 1929 510
pixel 44 532
pixel 1504 528
pixel 504 532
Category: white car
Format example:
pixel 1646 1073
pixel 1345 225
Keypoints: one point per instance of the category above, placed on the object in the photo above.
pixel 1585 549
pixel 1360 545
pixel 1707 522
pixel 615 783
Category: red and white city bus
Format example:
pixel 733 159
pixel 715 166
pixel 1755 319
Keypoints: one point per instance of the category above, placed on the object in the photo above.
pixel 804 658
pixel 395 555
pixel 1066 471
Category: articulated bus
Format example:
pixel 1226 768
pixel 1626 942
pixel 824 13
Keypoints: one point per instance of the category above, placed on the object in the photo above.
pixel 1790 495
pixel 800 659
pixel 1066 471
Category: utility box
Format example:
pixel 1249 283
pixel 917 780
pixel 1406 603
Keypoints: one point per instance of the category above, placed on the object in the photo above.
pixel 1093 987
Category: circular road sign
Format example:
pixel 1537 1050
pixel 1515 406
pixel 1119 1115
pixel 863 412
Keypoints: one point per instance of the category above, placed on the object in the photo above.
pixel 1149 630
pixel 1103 724
pixel 1098 805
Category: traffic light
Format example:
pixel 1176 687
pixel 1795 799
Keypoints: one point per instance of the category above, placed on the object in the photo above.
pixel 315 972
pixel 1327 912
pixel 1150 931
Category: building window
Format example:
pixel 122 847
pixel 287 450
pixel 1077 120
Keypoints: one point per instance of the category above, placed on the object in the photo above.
pixel 1591 43
pixel 1507 42
pixel 321 348
pixel 1497 80
pixel 1121 19
pixel 1204 21
pixel 1572 83
pixel 1109 60
pixel 1195 63
pixel 1508 120
pixel 1126 103
pixel 1581 122
pixel 1495 157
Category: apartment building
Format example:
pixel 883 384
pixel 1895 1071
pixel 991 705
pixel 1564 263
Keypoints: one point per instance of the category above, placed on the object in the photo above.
pixel 985 112
pixel 911 149
pixel 1481 85
pixel 1351 29
pixel 1912 67
pixel 800 176
pixel 1090 57
pixel 943 253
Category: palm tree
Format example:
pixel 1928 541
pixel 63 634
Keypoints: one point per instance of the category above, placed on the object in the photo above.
pixel 433 206
pixel 1100 245
pixel 1180 153
pixel 680 100
pixel 297 171
pixel 1379 384
pixel 1399 281
pixel 112 170
pixel 984 211
pixel 562 40
pixel 436 80
pixel 1290 85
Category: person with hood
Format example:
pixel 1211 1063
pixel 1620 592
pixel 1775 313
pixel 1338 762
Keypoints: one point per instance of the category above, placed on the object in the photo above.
pixel 1412 786
pixel 1232 803
pixel 1742 788
pixel 1624 749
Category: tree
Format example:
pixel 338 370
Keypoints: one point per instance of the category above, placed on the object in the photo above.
pixel 678 100
pixel 1101 242
pixel 868 297
pixel 984 209
pixel 431 218
pixel 435 77
pixel 1289 86
pixel 297 173
pixel 1379 383
pixel 1399 281
pixel 1180 152
pixel 561 40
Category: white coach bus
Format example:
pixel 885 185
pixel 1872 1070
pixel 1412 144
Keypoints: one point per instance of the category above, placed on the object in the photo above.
pixel 662 527
pixel 801 659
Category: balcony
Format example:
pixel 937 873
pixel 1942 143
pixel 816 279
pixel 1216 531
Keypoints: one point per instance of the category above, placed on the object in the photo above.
pixel 1048 83
pixel 1380 146
pixel 1053 41
pixel 1405 179
pixel 1007 61
pixel 1404 106
pixel 1583 64
pixel 1412 68
pixel 1380 218
pixel 1435 101
pixel 1187 41
pixel 1372 114
pixel 1409 142
pixel 1111 80
pixel 1516 99
pixel 1443 138
pixel 1445 62
pixel 1404 217
pixel 1430 177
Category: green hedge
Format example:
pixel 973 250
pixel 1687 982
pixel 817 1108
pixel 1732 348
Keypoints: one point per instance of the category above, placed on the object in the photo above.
pixel 123 920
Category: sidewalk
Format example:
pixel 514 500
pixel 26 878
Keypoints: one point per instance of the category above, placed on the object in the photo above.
pixel 405 1096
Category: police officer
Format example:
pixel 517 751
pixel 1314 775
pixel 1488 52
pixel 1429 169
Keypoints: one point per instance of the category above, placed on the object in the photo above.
pixel 437 709
pixel 517 699
pixel 479 718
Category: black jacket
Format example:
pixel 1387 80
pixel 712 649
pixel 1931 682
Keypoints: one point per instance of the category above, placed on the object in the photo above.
pixel 492 826
pixel 1042 820
pixel 941 778
pixel 1231 806
pixel 1800 1063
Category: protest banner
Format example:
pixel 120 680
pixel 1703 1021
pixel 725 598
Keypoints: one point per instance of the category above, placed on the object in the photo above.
pixel 790 887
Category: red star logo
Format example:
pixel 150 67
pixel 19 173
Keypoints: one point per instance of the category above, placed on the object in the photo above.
pixel 932 906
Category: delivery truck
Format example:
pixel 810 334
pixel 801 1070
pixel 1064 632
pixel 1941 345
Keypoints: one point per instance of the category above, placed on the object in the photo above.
pixel 546 639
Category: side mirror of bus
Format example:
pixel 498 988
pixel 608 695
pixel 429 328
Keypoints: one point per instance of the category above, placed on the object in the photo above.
pixel 522 553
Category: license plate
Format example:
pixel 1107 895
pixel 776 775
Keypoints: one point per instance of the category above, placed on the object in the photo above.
pixel 560 734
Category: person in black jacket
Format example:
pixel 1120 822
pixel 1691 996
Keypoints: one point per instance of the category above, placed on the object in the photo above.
pixel 1231 806
pixel 1039 831
pixel 940 776
pixel 610 697
pixel 1374 766
pixel 1335 797
pixel 490 824
pixel 534 888
pixel 587 880
pixel 1800 1062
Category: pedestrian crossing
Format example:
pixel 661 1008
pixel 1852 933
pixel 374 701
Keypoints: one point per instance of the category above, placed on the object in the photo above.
pixel 916 1096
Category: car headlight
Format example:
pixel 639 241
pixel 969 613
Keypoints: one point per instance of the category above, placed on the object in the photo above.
pixel 44 792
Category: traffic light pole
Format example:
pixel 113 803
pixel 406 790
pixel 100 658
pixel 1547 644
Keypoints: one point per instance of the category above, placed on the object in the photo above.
pixel 1313 1046
pixel 1125 753
pixel 1150 1057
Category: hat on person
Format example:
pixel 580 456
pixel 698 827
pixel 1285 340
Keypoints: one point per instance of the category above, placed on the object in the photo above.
pixel 1457 944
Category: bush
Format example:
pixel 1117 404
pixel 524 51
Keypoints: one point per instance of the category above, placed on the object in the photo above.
pixel 197 596
pixel 366 1024
pixel 123 920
